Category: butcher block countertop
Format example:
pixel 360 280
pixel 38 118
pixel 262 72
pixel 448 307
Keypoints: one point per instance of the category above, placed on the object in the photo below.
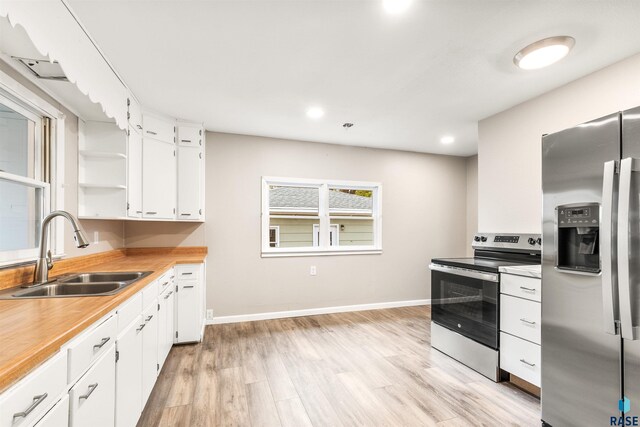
pixel 32 330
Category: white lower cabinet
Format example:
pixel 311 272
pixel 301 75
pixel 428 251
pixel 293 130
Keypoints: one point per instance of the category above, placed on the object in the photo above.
pixel 149 350
pixel 58 415
pixel 92 398
pixel 129 374
pixel 189 302
pixel 166 327
pixel 520 357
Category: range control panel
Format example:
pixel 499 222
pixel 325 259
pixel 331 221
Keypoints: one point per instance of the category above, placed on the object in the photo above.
pixel 516 242
pixel 581 216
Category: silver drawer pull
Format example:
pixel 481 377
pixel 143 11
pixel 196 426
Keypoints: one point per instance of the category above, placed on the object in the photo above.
pixel 172 277
pixel 102 343
pixel 188 287
pixel 187 274
pixel 185 214
pixel 185 140
pixel 529 322
pixel 92 387
pixel 141 327
pixel 164 284
pixel 527 363
pixel 36 401
pixel 168 295
pixel 152 213
pixel 524 288
pixel 148 318
pixel 151 132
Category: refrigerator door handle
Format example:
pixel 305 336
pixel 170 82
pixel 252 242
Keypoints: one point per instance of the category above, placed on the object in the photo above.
pixel 629 331
pixel 609 285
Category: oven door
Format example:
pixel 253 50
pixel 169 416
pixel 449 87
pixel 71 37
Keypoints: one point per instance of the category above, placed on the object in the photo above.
pixel 466 301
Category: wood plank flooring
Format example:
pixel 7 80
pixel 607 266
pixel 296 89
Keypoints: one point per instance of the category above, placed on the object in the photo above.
pixel 368 368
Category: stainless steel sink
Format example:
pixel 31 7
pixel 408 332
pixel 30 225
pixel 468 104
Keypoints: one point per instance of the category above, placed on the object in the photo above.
pixel 124 276
pixel 77 285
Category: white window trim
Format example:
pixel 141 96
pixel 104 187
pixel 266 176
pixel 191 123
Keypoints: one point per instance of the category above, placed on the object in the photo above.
pixel 55 193
pixel 324 216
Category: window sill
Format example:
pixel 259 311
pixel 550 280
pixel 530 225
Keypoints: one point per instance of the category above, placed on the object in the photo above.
pixel 302 253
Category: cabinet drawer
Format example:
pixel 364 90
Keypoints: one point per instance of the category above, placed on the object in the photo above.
pixel 25 402
pixel 88 348
pixel 58 415
pixel 187 272
pixel 189 135
pixel 158 128
pixel 520 286
pixel 128 311
pixel 149 294
pixel 165 281
pixel 520 317
pixel 93 396
pixel 520 357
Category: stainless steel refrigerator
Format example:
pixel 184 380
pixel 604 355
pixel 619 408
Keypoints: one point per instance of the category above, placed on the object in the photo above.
pixel 591 271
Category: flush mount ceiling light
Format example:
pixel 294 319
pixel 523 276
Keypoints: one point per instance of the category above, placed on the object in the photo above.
pixel 448 139
pixel 315 113
pixel 396 7
pixel 544 52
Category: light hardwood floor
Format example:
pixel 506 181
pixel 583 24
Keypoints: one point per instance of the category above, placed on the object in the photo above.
pixel 369 368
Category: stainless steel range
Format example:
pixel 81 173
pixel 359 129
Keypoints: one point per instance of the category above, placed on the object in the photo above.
pixel 465 298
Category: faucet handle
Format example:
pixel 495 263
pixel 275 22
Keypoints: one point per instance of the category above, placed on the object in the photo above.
pixel 49 260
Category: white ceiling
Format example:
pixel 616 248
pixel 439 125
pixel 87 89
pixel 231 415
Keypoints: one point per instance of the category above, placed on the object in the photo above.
pixel 253 67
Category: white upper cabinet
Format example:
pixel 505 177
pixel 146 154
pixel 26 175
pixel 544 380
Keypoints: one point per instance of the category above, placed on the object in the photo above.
pixel 159 128
pixel 134 115
pixel 190 170
pixel 158 179
pixel 190 135
pixel 134 175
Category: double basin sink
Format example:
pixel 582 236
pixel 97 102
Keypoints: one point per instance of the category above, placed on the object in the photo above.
pixel 80 284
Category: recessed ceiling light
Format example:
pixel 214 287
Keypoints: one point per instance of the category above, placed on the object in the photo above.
pixel 396 7
pixel 447 139
pixel 544 52
pixel 315 113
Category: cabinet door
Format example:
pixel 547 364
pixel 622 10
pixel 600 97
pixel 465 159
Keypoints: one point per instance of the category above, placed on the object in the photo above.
pixel 58 415
pixel 149 351
pixel 188 320
pixel 128 374
pixel 162 329
pixel 158 128
pixel 158 179
pixel 190 135
pixel 171 320
pixel 134 175
pixel 189 182
pixel 93 396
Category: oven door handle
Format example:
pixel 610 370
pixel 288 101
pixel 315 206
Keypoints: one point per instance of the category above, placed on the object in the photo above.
pixel 474 274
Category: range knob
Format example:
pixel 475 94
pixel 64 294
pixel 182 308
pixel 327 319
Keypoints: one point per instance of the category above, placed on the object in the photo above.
pixel 539 241
pixel 476 239
pixel 532 241
pixel 483 239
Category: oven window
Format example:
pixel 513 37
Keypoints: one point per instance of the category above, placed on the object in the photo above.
pixel 466 305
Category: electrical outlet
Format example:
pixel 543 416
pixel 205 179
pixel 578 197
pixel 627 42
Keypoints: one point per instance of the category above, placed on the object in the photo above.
pixel 96 237
pixel 313 271
pixel 209 314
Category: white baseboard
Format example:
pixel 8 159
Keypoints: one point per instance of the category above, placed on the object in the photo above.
pixel 314 311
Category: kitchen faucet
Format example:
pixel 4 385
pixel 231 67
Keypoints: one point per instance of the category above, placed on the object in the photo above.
pixel 45 263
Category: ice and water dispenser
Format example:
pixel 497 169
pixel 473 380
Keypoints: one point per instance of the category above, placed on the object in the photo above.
pixel 577 243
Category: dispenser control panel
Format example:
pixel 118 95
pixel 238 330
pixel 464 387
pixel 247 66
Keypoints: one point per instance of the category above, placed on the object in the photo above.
pixel 582 216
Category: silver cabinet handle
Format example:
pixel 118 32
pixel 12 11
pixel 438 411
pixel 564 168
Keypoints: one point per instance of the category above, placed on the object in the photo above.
pixel 185 140
pixel 141 327
pixel 527 363
pixel 152 213
pixel 168 295
pixel 148 318
pixel 529 322
pixel 164 284
pixel 185 214
pixel 172 277
pixel 187 274
pixel 524 288
pixel 102 343
pixel 609 299
pixel 628 329
pixel 139 127
pixel 187 287
pixel 151 132
pixel 138 211
pixel 92 388
pixel 36 401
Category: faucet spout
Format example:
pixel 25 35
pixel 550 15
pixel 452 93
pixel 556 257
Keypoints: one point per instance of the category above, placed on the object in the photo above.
pixel 44 263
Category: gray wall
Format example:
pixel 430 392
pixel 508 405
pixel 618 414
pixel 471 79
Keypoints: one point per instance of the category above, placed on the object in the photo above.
pixel 424 215
pixel 472 201
pixel 509 147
